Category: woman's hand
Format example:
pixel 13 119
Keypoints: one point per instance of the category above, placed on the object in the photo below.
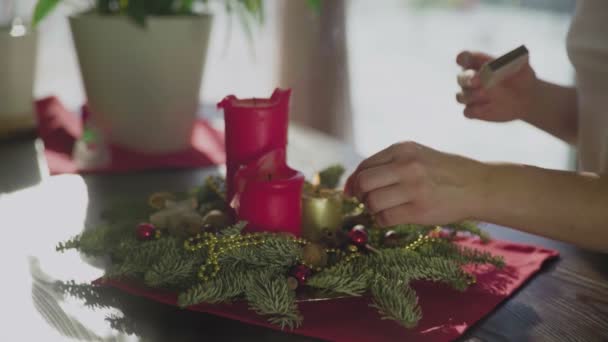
pixel 508 100
pixel 411 183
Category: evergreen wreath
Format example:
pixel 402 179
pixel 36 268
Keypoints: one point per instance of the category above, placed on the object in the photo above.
pixel 189 245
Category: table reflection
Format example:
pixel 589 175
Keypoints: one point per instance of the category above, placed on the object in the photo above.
pixel 38 211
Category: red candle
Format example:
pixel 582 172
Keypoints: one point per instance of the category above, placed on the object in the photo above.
pixel 268 194
pixel 254 127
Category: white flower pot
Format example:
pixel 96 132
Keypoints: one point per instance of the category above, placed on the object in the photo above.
pixel 17 69
pixel 143 84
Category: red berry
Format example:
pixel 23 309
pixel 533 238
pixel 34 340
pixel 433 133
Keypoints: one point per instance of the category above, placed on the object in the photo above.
pixel 301 273
pixel 391 239
pixel 145 231
pixel 358 235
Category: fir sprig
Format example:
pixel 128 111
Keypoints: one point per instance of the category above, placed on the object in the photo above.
pixel 396 301
pixel 73 243
pixel 404 265
pixel 344 278
pixel 329 178
pixel 269 295
pixel 274 251
pixel 171 270
pixel 223 288
pixel 255 267
pixel 469 227
pixel 463 255
pixel 235 229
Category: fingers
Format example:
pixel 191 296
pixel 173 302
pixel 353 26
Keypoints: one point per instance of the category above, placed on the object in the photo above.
pixel 477 111
pixel 385 198
pixel 472 60
pixel 469 79
pixel 470 97
pixel 373 178
pixel 383 157
pixel 389 167
pixel 472 93
pixel 397 215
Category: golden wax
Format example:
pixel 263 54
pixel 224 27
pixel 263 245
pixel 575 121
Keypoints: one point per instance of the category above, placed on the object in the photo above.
pixel 321 213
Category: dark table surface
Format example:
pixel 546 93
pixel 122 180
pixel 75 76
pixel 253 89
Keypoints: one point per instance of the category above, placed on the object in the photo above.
pixel 567 300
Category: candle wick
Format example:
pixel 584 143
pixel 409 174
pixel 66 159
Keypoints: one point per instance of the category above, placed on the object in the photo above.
pixel 269 177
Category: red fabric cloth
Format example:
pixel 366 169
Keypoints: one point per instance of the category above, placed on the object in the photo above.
pixel 447 313
pixel 59 129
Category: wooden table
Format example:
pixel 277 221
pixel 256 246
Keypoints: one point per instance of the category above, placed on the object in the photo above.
pixel 567 301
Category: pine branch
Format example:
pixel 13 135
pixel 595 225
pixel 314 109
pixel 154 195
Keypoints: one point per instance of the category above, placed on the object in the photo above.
pixel 172 269
pixel 329 178
pixel 149 252
pixel 274 251
pixel 460 254
pixel 122 270
pixel 269 295
pixel 86 292
pixel 139 256
pixel 97 241
pixel 475 256
pixel 222 288
pixel 397 301
pixel 235 229
pixel 410 232
pixel 122 323
pixel 100 241
pixel 469 227
pixel 73 243
pixel 408 265
pixel 439 270
pixel 94 241
pixel 254 266
pixel 341 281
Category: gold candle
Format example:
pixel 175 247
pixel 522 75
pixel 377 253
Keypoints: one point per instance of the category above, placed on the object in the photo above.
pixel 321 213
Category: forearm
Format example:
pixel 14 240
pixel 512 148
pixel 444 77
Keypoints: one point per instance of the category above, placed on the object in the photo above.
pixel 554 110
pixel 557 204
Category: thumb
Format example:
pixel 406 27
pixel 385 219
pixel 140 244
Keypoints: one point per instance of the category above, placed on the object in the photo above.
pixel 348 191
pixel 472 60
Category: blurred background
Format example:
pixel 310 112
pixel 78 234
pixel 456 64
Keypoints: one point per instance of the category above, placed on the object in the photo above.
pixel 399 70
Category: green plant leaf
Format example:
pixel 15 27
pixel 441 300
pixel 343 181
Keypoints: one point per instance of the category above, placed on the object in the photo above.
pixel 254 7
pixel 330 177
pixel 241 11
pixel 186 6
pixel 103 6
pixel 315 5
pixel 160 7
pixel 136 10
pixel 43 8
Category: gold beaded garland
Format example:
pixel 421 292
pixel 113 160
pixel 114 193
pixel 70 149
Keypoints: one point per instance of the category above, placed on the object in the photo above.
pixel 218 246
pixel 422 239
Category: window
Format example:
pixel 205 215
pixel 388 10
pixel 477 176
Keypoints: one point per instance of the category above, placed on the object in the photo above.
pixel 403 73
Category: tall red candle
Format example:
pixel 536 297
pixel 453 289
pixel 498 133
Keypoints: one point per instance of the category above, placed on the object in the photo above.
pixel 268 194
pixel 253 127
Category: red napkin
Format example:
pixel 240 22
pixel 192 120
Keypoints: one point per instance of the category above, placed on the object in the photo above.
pixel 59 129
pixel 447 313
